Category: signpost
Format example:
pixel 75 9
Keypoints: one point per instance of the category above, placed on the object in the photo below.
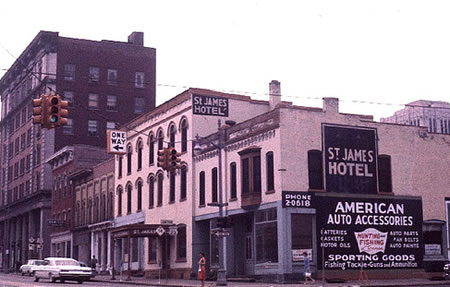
pixel 116 142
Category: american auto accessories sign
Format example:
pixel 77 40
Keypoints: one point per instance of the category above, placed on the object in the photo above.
pixel 373 233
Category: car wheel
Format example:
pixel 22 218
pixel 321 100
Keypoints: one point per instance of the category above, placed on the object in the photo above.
pixel 62 280
pixel 36 279
pixel 52 278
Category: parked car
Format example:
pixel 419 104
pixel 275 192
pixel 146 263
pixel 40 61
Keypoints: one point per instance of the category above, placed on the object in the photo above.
pixel 62 269
pixel 83 264
pixel 447 270
pixel 28 267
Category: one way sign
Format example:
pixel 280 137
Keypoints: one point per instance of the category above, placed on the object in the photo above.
pixel 116 142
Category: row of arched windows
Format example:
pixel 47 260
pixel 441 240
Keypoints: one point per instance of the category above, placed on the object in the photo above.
pixel 152 191
pixel 156 142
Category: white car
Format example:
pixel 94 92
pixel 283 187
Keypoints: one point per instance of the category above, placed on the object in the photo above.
pixel 29 266
pixel 62 269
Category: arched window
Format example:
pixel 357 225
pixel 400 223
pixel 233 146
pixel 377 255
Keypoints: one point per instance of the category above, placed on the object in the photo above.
pixel 119 201
pixel 151 151
pixel 214 184
pixel 233 181
pixel 202 188
pixel 172 187
pixel 129 157
pixel 172 132
pixel 151 191
pixel 110 211
pixel 184 141
pixel 270 174
pixel 160 189
pixel 160 140
pixel 129 197
pixel 140 147
pixel 139 195
pixel 119 174
pixel 183 183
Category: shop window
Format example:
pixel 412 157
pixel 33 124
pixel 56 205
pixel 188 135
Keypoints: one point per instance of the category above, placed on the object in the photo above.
pixel 301 232
pixel 181 242
pixel 270 172
pixel 384 173
pixel 202 188
pixel 152 249
pixel 135 249
pixel 266 236
pixel 214 184
pixel 315 173
pixel 433 237
pixel 233 181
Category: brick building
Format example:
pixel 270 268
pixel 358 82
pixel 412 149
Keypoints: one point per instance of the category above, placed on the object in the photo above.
pixel 107 83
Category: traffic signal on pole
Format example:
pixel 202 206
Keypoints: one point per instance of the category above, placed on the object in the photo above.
pixel 162 158
pixel 174 158
pixel 40 111
pixel 224 222
pixel 63 112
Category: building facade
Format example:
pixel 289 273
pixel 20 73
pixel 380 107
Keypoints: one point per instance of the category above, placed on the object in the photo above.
pixel 431 114
pixel 292 179
pixel 106 83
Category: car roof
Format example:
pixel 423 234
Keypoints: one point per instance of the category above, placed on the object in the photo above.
pixel 59 258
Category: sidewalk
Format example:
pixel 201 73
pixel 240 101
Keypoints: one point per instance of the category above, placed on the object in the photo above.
pixel 141 281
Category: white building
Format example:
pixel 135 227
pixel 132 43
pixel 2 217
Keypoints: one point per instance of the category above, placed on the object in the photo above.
pixel 283 202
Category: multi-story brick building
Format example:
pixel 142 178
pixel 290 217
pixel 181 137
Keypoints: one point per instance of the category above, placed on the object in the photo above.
pixel 431 114
pixel 107 83
pixel 293 179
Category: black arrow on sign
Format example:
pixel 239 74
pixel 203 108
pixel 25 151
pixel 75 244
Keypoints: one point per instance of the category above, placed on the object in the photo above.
pixel 118 147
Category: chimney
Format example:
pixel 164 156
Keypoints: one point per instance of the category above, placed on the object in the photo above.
pixel 274 94
pixel 136 38
pixel 331 105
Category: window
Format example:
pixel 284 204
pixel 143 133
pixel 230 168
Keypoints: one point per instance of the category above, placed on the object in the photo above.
pixel 94 74
pixel 270 172
pixel 17 145
pixel 22 141
pixel 184 140
pixel 139 105
pixel 93 101
pixel 183 187
pixel 181 242
pixel 139 155
pixel 160 189
pixel 129 158
pixel 214 184
pixel 302 231
pixel 120 166
pixel 110 125
pixel 111 103
pixel 172 187
pixel 433 238
pixel 315 175
pixel 384 173
pixel 152 249
pixel 151 192
pixel 92 127
pixel 151 154
pixel 266 236
pixel 139 83
pixel 139 195
pixel 233 180
pixel 129 198
pixel 160 140
pixel 202 188
pixel 29 133
pixel 68 129
pixel 17 121
pixel 172 132
pixel 112 77
pixel 68 96
pixel 69 72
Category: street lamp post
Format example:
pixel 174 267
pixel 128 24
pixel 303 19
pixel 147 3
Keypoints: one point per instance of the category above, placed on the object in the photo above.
pixel 221 272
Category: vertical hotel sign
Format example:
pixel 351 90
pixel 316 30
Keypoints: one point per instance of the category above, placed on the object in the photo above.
pixel 209 105
pixel 350 159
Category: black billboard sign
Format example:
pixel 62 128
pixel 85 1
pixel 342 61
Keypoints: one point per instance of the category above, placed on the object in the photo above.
pixel 350 159
pixel 209 105
pixel 369 233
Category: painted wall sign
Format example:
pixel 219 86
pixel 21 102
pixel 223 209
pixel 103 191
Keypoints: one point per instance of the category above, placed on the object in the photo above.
pixel 297 199
pixel 374 233
pixel 209 105
pixel 350 159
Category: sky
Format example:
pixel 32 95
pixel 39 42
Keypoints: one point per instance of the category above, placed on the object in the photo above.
pixel 375 56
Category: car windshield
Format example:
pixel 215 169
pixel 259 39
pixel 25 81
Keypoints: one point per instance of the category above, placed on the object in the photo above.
pixel 38 262
pixel 66 263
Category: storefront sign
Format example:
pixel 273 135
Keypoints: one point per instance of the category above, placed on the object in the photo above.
pixel 371 233
pixel 209 106
pixel 297 255
pixel 297 199
pixel 350 159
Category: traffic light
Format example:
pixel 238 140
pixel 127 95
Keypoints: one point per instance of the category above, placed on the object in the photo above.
pixel 56 112
pixel 174 158
pixel 40 111
pixel 224 222
pixel 162 158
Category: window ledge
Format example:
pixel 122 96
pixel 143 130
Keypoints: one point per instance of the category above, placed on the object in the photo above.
pixel 202 205
pixel 270 191
pixel 233 199
pixel 182 260
pixel 182 199
pixel 172 202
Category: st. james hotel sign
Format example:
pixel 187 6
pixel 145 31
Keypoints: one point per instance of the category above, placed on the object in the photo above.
pixel 350 159
pixel 209 105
